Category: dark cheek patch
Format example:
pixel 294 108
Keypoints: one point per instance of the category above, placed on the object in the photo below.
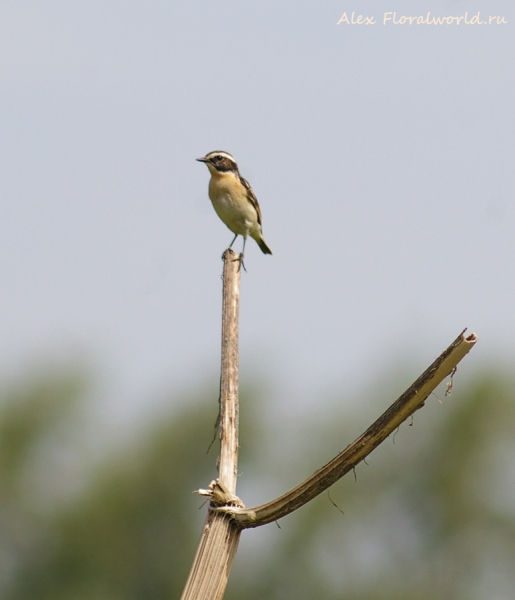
pixel 224 164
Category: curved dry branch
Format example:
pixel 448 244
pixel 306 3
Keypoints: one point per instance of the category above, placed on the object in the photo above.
pixel 412 399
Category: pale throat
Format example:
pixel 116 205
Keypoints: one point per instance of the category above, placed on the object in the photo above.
pixel 227 175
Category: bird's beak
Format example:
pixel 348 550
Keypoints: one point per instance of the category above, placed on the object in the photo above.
pixel 204 160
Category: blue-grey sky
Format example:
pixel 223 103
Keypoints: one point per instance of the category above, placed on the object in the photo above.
pixel 381 154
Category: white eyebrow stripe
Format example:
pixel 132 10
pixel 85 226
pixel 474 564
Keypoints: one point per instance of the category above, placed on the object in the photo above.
pixel 220 153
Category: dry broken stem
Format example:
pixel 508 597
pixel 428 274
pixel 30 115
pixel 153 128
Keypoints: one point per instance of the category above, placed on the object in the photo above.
pixel 220 536
pixel 227 515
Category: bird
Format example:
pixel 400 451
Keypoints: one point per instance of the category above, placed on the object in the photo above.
pixel 233 199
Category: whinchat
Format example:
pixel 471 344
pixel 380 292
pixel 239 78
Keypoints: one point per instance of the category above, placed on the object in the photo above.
pixel 233 199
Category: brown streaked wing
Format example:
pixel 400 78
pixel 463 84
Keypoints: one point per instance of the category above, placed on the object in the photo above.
pixel 251 197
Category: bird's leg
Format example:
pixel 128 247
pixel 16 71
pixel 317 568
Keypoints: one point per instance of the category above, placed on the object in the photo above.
pixel 240 257
pixel 233 240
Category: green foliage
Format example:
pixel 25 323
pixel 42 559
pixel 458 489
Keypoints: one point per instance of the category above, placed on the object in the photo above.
pixel 431 517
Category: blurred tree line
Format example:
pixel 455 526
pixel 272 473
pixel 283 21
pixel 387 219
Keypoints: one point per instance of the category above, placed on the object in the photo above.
pixel 432 516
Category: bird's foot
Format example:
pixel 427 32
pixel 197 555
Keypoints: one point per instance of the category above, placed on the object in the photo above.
pixel 239 259
pixel 226 253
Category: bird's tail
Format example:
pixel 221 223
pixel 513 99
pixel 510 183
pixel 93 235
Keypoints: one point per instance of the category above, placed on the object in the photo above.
pixel 264 247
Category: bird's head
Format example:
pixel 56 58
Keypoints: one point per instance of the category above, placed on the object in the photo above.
pixel 219 162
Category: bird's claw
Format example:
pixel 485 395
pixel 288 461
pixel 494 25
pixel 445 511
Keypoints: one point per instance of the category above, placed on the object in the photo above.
pixel 239 259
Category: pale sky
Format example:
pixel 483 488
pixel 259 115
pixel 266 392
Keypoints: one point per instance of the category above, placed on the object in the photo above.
pixel 382 157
